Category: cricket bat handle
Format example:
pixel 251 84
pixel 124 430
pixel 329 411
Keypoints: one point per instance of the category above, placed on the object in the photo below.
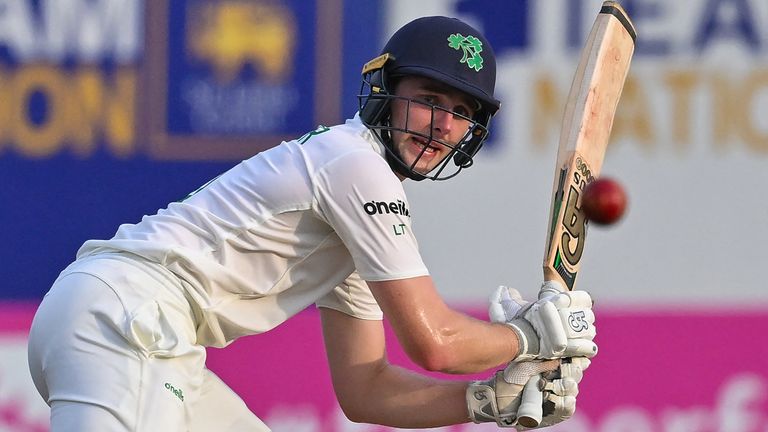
pixel 548 290
pixel 530 412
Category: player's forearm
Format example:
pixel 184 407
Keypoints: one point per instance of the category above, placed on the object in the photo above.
pixel 438 337
pixel 397 397
pixel 467 345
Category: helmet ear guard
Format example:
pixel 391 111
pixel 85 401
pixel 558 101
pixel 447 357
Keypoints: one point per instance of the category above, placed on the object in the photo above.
pixel 467 150
pixel 374 107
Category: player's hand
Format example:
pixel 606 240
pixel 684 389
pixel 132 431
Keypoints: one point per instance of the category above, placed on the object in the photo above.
pixel 559 324
pixel 528 394
pixel 498 398
pixel 558 397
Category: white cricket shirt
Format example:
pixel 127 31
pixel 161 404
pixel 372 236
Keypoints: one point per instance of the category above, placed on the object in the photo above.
pixel 298 224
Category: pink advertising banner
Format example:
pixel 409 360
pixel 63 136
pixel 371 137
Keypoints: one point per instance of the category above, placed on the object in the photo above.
pixel 672 371
pixel 675 371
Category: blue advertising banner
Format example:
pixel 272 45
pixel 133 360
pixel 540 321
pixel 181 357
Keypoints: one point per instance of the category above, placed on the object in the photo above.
pixel 111 109
pixel 237 77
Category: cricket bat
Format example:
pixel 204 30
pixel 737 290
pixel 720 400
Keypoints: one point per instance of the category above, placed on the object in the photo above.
pixel 586 128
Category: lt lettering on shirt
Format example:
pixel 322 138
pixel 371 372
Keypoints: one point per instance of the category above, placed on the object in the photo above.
pixel 399 229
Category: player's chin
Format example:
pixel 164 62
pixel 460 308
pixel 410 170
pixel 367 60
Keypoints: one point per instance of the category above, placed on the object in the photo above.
pixel 426 166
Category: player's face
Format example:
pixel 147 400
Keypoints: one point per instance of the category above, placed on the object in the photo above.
pixel 426 109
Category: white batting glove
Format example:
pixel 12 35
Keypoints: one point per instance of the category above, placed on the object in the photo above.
pixel 498 398
pixel 525 395
pixel 560 324
pixel 505 304
pixel 557 401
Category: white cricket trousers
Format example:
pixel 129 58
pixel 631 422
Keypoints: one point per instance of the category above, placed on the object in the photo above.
pixel 112 349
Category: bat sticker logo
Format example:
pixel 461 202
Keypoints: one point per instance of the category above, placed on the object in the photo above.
pixel 574 223
pixel 568 276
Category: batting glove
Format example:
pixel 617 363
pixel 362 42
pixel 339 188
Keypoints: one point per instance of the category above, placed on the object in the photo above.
pixel 558 396
pixel 526 395
pixel 559 324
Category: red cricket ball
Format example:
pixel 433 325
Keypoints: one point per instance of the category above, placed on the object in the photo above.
pixel 604 201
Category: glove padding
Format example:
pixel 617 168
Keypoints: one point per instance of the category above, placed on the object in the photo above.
pixel 559 324
pixel 558 396
pixel 498 398
pixel 527 394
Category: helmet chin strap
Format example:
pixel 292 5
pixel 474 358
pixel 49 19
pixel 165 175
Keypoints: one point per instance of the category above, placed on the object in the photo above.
pixel 394 159
pixel 399 166
pixel 396 163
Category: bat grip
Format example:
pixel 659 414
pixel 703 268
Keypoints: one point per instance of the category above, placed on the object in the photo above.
pixel 548 290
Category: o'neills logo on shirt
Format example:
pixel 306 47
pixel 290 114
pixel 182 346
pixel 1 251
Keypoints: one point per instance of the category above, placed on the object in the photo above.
pixel 382 207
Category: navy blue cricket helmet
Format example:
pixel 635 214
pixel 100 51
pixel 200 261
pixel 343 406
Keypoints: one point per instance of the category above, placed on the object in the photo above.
pixel 444 49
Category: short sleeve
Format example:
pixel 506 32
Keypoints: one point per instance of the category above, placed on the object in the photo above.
pixel 365 203
pixel 354 298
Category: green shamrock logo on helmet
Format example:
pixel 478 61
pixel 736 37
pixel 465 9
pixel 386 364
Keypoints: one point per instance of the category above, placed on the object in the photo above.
pixel 471 46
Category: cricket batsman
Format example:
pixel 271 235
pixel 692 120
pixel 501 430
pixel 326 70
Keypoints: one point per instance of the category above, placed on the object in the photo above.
pixel 119 342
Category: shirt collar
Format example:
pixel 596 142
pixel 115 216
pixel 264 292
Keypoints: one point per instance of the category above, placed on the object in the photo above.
pixel 367 135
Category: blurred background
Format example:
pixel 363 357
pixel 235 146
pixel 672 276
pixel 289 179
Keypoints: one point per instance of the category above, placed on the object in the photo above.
pixel 110 109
